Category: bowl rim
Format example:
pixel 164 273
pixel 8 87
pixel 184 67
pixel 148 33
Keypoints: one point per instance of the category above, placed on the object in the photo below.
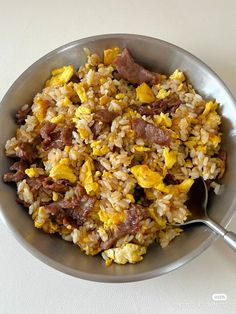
pixel 109 278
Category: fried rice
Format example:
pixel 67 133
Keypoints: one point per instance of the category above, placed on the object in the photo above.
pixel 89 169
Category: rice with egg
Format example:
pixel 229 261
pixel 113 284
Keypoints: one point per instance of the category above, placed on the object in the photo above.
pixel 127 163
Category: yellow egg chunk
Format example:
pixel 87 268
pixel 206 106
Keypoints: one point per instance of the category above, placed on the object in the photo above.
pixel 86 177
pixel 81 110
pixel 40 217
pixel 130 197
pixel 163 119
pixel 183 187
pixel 67 149
pixel 120 96
pixel 161 221
pixel 42 107
pixel 210 106
pixel 129 253
pixel 110 219
pixel 66 102
pixel 98 149
pixel 149 194
pixel 80 90
pixel 145 93
pixel 162 94
pixel 139 148
pixel 214 139
pixel 190 144
pixel 62 171
pixel 170 157
pixel 54 196
pixel 145 177
pixel 177 75
pixel 110 55
pixel 34 172
pixel 105 99
pixel 60 76
pixel 58 119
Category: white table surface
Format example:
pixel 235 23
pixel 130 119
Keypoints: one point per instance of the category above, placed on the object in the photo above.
pixel 28 30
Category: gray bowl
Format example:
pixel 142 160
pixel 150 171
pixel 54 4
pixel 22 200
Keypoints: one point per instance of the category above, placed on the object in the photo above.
pixel 66 257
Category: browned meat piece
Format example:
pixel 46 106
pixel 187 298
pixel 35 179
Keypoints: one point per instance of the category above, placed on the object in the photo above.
pixel 135 215
pixel 150 132
pixel 56 186
pixel 46 130
pixel 170 180
pixel 27 151
pixel 19 174
pixel 35 183
pixel 96 128
pixel 105 116
pixel 98 166
pixel 133 72
pixel 19 201
pixel 22 114
pixel 58 139
pixel 76 210
pixel 66 134
pixel 222 155
pixel 167 105
pixel 75 79
pixel 140 196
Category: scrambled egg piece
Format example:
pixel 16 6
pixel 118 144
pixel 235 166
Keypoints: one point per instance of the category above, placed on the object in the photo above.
pixel 105 99
pixel 55 196
pixel 163 119
pixel 110 219
pixel 146 177
pixel 58 119
pixel 214 139
pixel 177 75
pixel 41 111
pixel 86 177
pixel 161 221
pixel 183 187
pixel 120 96
pixel 66 102
pixel 140 148
pixel 40 216
pixel 82 127
pixel 67 149
pixel 129 113
pixel 162 93
pixel 110 55
pixel 149 194
pixel 81 92
pixel 129 253
pixel 63 171
pixel 60 76
pixel 82 110
pixel 170 157
pixel 145 93
pixel 130 197
pixel 98 149
pixel 34 172
pixel 210 106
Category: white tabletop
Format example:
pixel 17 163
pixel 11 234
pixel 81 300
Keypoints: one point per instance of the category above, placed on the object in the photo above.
pixel 28 30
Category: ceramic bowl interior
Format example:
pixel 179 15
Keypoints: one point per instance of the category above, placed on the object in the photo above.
pixel 66 257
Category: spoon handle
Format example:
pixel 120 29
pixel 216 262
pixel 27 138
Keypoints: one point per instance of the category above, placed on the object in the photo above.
pixel 230 239
pixel 229 236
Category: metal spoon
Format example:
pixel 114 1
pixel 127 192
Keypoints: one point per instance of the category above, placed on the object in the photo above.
pixel 197 204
